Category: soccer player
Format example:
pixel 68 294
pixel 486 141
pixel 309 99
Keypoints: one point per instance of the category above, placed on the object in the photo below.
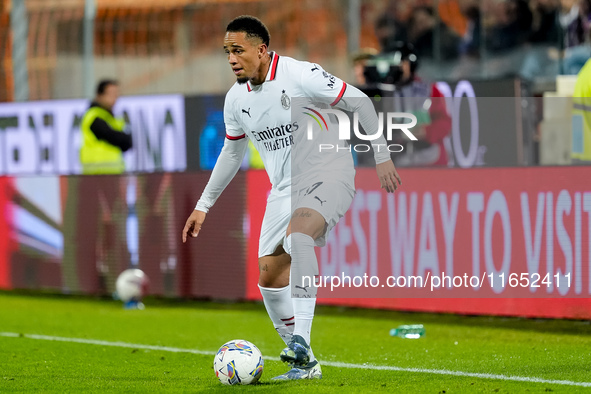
pixel 310 191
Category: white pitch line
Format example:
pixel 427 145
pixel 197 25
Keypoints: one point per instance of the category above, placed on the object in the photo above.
pixel 327 363
pixel 115 344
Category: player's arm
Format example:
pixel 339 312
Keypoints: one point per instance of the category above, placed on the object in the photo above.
pixel 354 100
pixel 331 90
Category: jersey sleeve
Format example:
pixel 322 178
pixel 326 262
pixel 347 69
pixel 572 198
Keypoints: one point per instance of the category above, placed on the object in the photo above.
pixel 233 128
pixel 319 84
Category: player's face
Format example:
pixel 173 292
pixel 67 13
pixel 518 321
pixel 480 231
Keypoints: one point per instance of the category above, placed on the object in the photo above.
pixel 244 55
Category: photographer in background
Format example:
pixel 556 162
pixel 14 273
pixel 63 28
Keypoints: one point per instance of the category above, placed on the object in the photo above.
pixel 410 94
pixel 359 61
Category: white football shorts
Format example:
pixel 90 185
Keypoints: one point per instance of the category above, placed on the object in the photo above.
pixel 331 199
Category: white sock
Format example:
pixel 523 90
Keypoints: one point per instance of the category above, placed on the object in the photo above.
pixel 303 265
pixel 279 306
pixel 304 314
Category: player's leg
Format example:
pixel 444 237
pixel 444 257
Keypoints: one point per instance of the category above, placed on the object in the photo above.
pixel 315 214
pixel 274 266
pixel 306 225
pixel 274 285
pixel 275 289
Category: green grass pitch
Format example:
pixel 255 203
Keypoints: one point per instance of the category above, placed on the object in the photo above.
pixel 459 354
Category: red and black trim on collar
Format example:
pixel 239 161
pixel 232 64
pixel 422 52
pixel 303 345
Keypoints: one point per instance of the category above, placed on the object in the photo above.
pixel 340 96
pixel 232 138
pixel 272 73
pixel 274 66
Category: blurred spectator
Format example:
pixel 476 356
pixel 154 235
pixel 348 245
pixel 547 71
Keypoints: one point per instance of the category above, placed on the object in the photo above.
pixel 470 45
pixel 541 58
pixel 513 28
pixel 359 61
pixel 421 29
pixel 572 23
pixel 389 31
pixel 560 31
pixel 544 22
pixel 450 13
pixel 103 135
pixel 574 19
pixel 586 16
pixel 427 103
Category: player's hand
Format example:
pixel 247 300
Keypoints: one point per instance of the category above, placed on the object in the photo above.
pixel 193 224
pixel 389 178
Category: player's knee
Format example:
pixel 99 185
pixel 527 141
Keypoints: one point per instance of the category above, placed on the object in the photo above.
pixel 273 274
pixel 308 222
pixel 265 281
pixel 272 281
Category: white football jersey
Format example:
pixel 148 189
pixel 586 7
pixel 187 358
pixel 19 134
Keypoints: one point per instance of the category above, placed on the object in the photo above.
pixel 267 115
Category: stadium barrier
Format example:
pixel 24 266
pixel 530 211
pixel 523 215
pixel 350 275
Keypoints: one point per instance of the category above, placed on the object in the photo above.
pixel 75 234
pixel 526 230
pixel 513 241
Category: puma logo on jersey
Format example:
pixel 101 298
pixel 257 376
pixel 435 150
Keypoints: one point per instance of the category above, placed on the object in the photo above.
pixel 305 288
pixel 321 202
pixel 247 112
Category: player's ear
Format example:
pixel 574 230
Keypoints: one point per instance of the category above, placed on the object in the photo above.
pixel 262 50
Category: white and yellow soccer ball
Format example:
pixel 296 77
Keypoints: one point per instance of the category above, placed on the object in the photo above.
pixel 238 362
pixel 132 285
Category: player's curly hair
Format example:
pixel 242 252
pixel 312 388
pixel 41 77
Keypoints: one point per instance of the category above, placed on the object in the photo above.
pixel 252 26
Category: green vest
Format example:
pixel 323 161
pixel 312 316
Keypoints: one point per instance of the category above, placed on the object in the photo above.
pixel 581 116
pixel 98 156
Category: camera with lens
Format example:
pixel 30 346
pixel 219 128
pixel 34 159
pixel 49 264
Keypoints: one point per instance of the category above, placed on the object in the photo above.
pixel 386 68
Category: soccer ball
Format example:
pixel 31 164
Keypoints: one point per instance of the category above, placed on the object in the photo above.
pixel 238 362
pixel 132 285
